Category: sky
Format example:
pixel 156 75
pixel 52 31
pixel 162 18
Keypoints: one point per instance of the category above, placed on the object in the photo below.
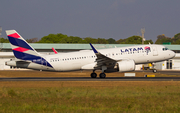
pixel 117 19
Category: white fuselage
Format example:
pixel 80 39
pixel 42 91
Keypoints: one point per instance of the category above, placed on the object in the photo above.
pixel 86 59
pixel 76 60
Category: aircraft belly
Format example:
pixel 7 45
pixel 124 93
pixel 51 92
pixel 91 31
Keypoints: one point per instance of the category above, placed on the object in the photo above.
pixel 28 65
pixel 142 59
pixel 67 66
pixel 70 66
pixel 39 67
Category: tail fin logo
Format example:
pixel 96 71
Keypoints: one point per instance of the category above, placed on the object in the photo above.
pixel 22 50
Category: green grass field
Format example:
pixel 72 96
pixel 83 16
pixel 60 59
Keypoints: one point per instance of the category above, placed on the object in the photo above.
pixel 87 96
pixel 90 97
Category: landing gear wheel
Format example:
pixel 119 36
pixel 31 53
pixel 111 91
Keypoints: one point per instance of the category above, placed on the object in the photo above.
pixel 154 71
pixel 93 75
pixel 102 75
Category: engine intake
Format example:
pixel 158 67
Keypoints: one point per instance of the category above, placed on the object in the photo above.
pixel 126 65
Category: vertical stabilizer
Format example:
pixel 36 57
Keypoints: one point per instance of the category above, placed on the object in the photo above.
pixel 21 49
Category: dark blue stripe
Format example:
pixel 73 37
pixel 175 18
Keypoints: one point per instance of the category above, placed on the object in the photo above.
pixel 19 42
pixel 35 59
pixel 24 56
pixel 95 51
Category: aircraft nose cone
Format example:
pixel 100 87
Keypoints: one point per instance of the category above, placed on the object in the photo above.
pixel 172 54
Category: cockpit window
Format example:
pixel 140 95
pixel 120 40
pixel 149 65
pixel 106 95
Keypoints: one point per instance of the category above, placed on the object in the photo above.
pixel 164 49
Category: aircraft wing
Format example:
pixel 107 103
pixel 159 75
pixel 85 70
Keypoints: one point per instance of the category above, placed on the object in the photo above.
pixel 102 60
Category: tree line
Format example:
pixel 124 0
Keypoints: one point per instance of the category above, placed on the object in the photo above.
pixel 164 39
pixel 62 38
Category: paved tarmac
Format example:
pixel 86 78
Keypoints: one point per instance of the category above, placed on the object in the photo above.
pixel 91 79
pixel 169 72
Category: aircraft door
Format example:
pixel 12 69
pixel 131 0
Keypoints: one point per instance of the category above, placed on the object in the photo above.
pixel 155 52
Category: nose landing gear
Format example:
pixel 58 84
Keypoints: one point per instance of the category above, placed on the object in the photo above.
pixel 154 70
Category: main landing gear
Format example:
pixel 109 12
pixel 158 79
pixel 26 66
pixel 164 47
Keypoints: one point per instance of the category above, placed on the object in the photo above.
pixel 101 75
pixel 93 75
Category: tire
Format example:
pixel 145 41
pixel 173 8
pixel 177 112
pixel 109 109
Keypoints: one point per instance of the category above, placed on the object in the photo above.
pixel 154 71
pixel 102 75
pixel 93 75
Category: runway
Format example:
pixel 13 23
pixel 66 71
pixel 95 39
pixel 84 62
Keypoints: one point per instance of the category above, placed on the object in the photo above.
pixel 91 79
pixel 167 72
pixel 82 76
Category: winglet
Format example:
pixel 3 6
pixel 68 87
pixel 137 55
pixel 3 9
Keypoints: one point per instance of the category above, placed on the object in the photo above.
pixel 93 48
pixel 54 51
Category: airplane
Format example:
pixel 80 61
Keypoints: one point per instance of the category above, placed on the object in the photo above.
pixel 119 59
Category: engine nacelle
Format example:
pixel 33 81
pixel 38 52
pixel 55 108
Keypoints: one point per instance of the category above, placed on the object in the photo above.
pixel 126 65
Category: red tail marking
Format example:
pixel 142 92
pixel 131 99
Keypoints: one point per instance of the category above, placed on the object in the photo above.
pixel 14 35
pixel 20 49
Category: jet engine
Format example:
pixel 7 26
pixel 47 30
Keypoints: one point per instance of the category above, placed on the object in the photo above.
pixel 125 65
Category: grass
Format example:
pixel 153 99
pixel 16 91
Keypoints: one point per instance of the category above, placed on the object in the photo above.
pixel 87 96
pixel 81 96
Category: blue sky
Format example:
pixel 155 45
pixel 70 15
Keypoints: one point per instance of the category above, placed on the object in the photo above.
pixel 116 19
